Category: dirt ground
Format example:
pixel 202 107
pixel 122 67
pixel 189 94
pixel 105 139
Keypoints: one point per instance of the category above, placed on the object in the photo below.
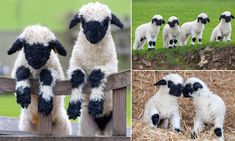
pixel 214 58
pixel 220 82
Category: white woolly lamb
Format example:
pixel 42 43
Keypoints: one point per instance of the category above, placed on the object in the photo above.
pixel 209 107
pixel 194 29
pixel 37 60
pixel 93 59
pixel 171 32
pixel 222 32
pixel 163 106
pixel 148 31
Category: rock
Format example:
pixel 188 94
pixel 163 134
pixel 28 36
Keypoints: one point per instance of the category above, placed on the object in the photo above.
pixel 141 67
pixel 135 58
pixel 146 63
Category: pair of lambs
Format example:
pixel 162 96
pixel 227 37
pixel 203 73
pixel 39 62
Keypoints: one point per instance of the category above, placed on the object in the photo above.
pixel 93 59
pixel 163 106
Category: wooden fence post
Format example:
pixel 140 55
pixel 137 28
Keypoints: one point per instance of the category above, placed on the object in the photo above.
pixel 44 124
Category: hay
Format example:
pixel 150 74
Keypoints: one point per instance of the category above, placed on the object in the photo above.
pixel 220 82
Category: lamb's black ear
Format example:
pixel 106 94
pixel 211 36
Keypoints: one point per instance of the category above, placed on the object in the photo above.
pixel 116 21
pixel 208 19
pixel 232 16
pixel 221 16
pixel 197 86
pixel 163 22
pixel 57 47
pixel 198 19
pixel 76 19
pixel 177 21
pixel 16 46
pixel 160 82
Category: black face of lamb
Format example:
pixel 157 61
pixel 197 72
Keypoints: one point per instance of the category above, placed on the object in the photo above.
pixel 158 22
pixel 175 90
pixel 189 89
pixel 95 30
pixel 226 18
pixel 172 24
pixel 37 55
pixel 203 20
pixel 103 120
pixel 155 119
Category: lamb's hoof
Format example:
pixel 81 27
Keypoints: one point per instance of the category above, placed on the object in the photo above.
pixel 177 130
pixel 218 132
pixel 96 107
pixel 150 49
pixel 73 110
pixel 23 96
pixel 44 106
pixel 170 47
pixel 193 135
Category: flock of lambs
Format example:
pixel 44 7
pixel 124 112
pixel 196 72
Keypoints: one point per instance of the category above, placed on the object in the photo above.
pixel 93 59
pixel 163 107
pixel 174 35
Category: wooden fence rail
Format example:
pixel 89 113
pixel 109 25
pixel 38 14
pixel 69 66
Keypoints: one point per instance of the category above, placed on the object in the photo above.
pixel 116 82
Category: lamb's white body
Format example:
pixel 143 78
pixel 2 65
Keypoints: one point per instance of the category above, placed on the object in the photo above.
pixel 147 31
pixel 165 105
pixel 223 30
pixel 29 117
pixel 209 107
pixel 171 33
pixel 194 29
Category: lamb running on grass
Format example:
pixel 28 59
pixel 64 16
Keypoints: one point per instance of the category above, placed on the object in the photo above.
pixel 222 32
pixel 163 106
pixel 37 58
pixel 209 107
pixel 194 29
pixel 171 32
pixel 93 59
pixel 148 31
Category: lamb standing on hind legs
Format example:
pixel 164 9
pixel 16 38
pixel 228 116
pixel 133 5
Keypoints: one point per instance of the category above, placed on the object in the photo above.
pixel 209 107
pixel 93 59
pixel 37 59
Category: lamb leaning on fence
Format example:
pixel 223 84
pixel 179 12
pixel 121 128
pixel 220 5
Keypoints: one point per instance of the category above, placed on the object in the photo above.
pixel 37 58
pixel 93 59
pixel 163 106
pixel 209 107
pixel 222 32
pixel 171 32
pixel 148 31
pixel 194 29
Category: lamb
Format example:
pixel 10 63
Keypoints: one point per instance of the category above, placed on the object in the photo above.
pixel 171 32
pixel 194 28
pixel 163 106
pixel 93 59
pixel 222 32
pixel 209 107
pixel 148 31
pixel 37 60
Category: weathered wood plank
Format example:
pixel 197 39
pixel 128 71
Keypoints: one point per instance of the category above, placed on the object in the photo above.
pixel 61 138
pixel 119 112
pixel 45 124
pixel 115 81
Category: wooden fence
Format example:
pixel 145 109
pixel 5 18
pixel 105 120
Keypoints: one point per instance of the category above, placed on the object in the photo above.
pixel 117 82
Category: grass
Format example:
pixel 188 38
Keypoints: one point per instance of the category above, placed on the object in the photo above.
pixel 9 107
pixel 16 14
pixel 185 10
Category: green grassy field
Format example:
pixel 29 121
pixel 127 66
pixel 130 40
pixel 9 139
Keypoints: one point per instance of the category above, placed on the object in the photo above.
pixel 185 10
pixel 10 108
pixel 16 14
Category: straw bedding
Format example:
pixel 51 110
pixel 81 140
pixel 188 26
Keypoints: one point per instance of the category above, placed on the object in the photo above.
pixel 220 82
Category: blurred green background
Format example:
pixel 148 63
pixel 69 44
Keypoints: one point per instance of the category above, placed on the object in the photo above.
pixel 55 14
pixel 185 10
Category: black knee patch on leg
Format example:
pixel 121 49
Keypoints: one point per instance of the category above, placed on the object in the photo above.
pixel 175 41
pixel 194 39
pixel 45 107
pixel 23 96
pixel 154 43
pixel 155 119
pixel 73 110
pixel 103 120
pixel 95 78
pixel 193 135
pixel 177 130
pixel 150 43
pixel 46 77
pixel 171 41
pixel 218 132
pixel 142 39
pixel 219 37
pixel 22 73
pixel 200 40
pixel 77 78
pixel 96 107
